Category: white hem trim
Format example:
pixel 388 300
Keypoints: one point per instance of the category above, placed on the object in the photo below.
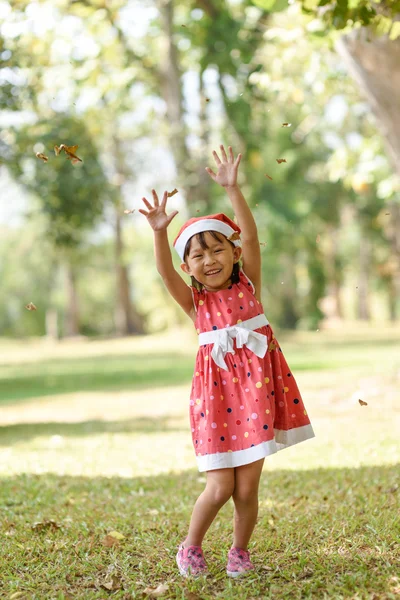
pixel 283 439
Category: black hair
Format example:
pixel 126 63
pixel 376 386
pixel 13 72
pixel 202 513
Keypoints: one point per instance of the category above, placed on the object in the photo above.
pixel 203 244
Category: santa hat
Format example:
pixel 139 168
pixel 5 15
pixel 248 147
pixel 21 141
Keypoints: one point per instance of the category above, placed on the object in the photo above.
pixel 219 222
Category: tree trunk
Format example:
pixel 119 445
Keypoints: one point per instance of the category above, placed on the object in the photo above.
pixel 363 311
pixel 51 324
pixel 171 89
pixel 72 311
pixel 375 64
pixel 334 273
pixel 127 320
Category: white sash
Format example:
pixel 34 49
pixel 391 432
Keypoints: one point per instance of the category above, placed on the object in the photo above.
pixel 222 339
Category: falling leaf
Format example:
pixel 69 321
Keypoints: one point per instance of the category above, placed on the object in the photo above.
pixel 207 99
pixel 280 160
pixel 385 213
pixel 234 236
pixel 30 306
pixel 362 403
pixel 263 243
pixel 286 124
pixel 128 211
pixel 183 25
pixel 272 346
pixel 48 524
pixel 69 151
pixel 169 194
pixel 318 239
pixel 156 592
pixel 42 156
pixel 268 176
pixel 198 211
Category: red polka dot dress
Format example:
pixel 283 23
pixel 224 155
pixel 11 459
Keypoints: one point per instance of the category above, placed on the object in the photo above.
pixel 243 405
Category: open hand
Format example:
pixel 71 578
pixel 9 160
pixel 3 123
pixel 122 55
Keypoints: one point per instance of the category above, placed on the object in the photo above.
pixel 226 175
pixel 156 215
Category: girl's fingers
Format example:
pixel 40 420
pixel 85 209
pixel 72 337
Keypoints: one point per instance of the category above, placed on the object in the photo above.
pixel 216 158
pixel 156 202
pixel 147 203
pixel 144 212
pixel 211 173
pixel 171 216
pixel 164 200
pixel 237 161
pixel 231 159
pixel 225 158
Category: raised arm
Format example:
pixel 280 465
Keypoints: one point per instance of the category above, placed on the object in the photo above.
pixel 159 221
pixel 226 176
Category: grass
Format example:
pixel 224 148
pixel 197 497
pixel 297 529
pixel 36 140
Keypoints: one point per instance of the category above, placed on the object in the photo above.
pixel 86 460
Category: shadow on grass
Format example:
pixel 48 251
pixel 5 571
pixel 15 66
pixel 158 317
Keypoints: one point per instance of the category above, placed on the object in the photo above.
pixel 105 373
pixel 322 533
pixel 12 434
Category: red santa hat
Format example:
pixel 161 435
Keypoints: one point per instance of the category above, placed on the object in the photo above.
pixel 219 222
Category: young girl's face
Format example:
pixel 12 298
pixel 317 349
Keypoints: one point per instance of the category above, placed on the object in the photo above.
pixel 211 266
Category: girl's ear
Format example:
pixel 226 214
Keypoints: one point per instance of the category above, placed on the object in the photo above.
pixel 237 253
pixel 185 268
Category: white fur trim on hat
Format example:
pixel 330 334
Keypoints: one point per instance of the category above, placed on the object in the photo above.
pixel 198 227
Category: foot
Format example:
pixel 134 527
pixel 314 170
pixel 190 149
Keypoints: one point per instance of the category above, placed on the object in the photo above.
pixel 239 562
pixel 191 561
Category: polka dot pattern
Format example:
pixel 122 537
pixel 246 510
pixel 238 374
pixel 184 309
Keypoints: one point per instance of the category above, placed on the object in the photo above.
pixel 259 394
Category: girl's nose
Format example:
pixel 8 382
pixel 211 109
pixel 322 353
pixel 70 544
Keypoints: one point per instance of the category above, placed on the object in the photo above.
pixel 210 260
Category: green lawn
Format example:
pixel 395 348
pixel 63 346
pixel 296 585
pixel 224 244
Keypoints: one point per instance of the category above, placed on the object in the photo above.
pixel 95 436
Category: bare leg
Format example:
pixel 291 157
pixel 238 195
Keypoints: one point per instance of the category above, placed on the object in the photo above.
pixel 245 498
pixel 219 488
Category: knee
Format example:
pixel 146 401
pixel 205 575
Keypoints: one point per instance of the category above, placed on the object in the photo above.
pixel 245 494
pixel 220 494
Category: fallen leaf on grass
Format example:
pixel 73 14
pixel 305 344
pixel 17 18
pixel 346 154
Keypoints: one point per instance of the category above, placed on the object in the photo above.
pixel 267 568
pixel 112 539
pixel 362 403
pixel 30 306
pixel 128 211
pixel 152 511
pixel 286 124
pixel 42 156
pixel 156 592
pixel 48 524
pixel 169 194
pixel 280 160
pixel 113 585
pixel 268 176
pixel 16 595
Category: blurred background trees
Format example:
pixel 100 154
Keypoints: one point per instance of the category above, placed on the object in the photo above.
pixel 147 89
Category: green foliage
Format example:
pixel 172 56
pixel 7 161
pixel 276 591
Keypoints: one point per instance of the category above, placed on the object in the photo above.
pixel 71 197
pixel 339 14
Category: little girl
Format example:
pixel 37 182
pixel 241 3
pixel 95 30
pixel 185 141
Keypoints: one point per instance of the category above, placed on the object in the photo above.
pixel 244 403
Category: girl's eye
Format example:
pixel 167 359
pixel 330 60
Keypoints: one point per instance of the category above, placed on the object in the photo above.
pixel 197 256
pixel 218 251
